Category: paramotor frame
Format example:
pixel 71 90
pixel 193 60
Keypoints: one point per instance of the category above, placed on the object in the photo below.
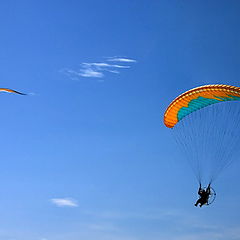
pixel 212 196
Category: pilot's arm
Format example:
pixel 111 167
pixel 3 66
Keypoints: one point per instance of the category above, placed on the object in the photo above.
pixel 208 189
pixel 200 189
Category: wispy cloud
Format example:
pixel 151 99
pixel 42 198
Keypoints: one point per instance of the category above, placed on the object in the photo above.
pixel 89 72
pixel 220 233
pixel 85 72
pixel 173 224
pixel 107 227
pixel 103 65
pixel 121 59
pixel 98 69
pixel 156 214
pixel 64 202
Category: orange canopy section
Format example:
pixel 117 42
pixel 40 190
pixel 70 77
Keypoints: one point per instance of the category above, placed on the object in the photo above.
pixel 198 98
pixel 11 91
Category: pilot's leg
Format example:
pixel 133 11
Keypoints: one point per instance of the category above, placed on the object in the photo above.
pixel 198 201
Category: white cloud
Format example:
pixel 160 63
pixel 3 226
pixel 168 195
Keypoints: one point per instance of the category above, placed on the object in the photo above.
pixel 89 72
pixel 121 59
pixel 102 65
pixel 84 72
pixel 98 69
pixel 114 71
pixel 64 202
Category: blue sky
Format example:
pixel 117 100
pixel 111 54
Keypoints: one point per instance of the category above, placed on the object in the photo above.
pixel 86 154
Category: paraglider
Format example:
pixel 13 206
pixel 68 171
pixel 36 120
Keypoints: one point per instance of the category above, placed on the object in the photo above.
pixel 208 133
pixel 11 91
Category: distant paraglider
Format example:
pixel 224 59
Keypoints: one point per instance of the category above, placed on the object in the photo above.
pixel 11 91
pixel 208 133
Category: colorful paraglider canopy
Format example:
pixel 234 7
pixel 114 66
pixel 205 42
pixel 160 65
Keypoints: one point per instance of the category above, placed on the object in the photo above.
pixel 198 98
pixel 11 91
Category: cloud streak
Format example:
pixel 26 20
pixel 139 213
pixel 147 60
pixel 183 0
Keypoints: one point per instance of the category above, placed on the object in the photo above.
pixel 121 59
pixel 103 65
pixel 184 225
pixel 64 202
pixel 99 69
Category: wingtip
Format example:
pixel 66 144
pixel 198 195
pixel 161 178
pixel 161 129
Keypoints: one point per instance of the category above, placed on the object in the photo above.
pixel 20 93
pixel 11 91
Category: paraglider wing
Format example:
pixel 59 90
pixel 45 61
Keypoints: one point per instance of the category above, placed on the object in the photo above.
pixel 198 98
pixel 11 91
pixel 207 133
